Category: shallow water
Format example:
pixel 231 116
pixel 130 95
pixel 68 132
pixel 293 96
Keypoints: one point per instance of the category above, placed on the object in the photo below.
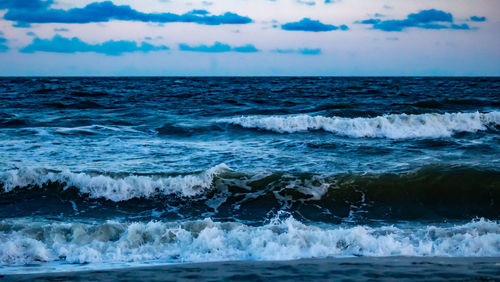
pixel 126 171
pixel 340 269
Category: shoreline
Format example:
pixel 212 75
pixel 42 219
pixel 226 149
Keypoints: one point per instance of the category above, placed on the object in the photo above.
pixel 353 268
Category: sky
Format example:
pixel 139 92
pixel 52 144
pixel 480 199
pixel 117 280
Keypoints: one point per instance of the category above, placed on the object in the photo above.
pixel 250 37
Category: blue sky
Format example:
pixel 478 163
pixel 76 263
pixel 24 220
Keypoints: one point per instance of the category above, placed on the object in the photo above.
pixel 250 37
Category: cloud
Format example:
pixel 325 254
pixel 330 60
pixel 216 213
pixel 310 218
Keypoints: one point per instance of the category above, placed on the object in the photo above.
pixel 303 51
pixel 62 29
pixel 460 26
pixel 107 11
pixel 306 24
pixel 59 44
pixel 307 51
pixel 218 47
pixel 249 48
pixel 313 2
pixel 370 21
pixel 3 44
pixel 426 19
pixel 25 4
pixel 305 2
pixel 478 19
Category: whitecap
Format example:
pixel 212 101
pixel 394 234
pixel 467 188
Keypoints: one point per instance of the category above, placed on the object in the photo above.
pixel 23 241
pixel 395 126
pixel 114 188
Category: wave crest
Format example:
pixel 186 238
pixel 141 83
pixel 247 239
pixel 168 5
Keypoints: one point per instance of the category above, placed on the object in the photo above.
pixel 111 188
pixel 396 126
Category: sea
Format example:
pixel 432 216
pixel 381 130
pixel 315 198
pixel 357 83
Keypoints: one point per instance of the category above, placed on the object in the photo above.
pixel 114 173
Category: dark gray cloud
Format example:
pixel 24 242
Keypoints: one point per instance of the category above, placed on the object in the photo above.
pixel 40 12
pixel 426 19
pixel 370 21
pixel 478 19
pixel 25 4
pixel 218 47
pixel 303 51
pixel 306 24
pixel 249 48
pixel 59 44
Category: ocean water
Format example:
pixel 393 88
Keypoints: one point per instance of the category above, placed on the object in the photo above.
pixel 99 173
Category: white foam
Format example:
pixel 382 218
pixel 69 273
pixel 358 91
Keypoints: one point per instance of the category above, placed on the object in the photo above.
pixel 202 241
pixel 396 126
pixel 111 188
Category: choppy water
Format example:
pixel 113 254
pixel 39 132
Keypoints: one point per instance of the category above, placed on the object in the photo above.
pixel 120 171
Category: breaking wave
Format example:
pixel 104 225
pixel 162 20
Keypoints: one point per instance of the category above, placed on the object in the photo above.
pixel 113 188
pixel 282 238
pixel 395 126
pixel 433 192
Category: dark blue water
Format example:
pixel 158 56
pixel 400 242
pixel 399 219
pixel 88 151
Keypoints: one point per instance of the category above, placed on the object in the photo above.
pixel 112 172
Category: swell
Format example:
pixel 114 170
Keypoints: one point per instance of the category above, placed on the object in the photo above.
pixel 24 241
pixel 395 126
pixel 435 192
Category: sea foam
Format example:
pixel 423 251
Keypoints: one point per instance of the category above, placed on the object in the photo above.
pixel 395 126
pixel 23 241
